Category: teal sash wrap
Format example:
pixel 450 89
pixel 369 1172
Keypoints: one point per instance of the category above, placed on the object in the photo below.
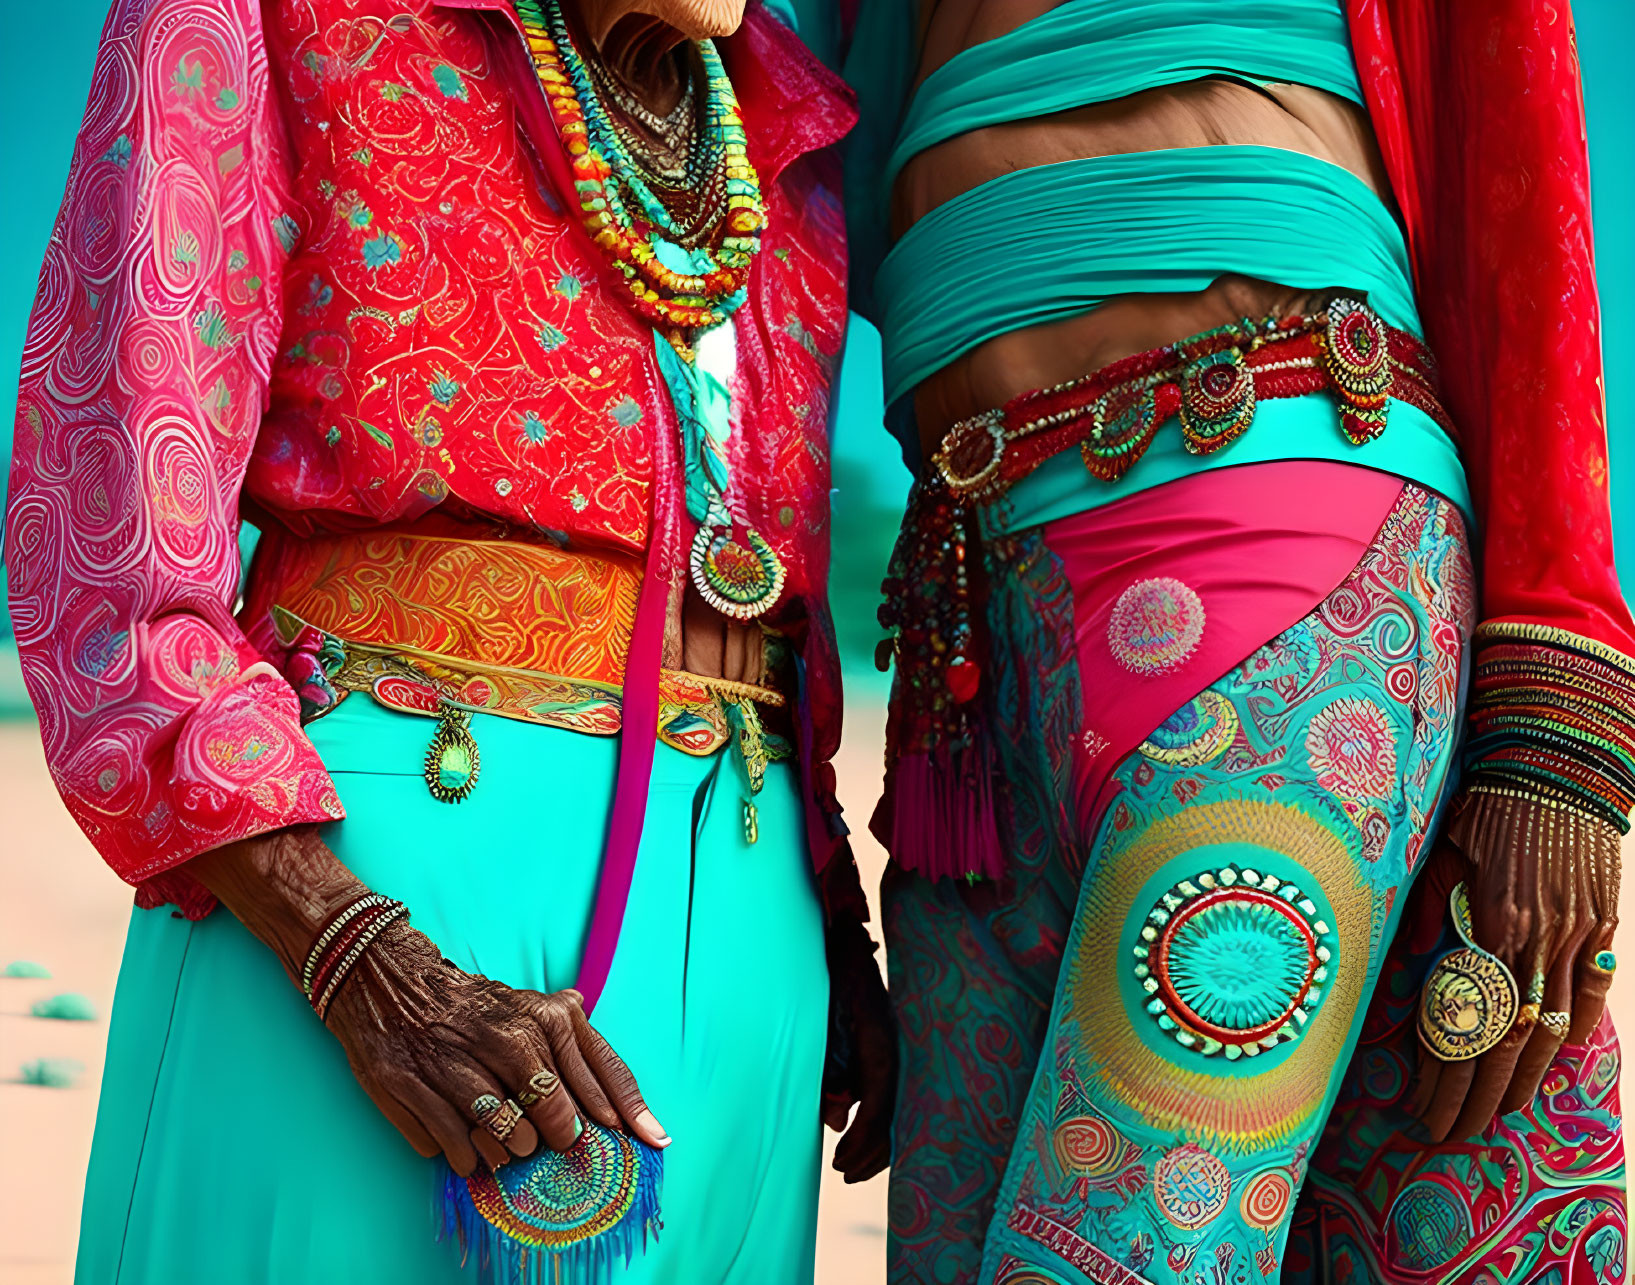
pixel 1046 243
pixel 1078 53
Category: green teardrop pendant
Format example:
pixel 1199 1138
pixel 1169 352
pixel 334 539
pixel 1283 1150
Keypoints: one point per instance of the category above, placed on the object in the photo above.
pixel 452 760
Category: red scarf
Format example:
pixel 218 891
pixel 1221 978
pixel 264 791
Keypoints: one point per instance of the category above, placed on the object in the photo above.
pixel 1479 112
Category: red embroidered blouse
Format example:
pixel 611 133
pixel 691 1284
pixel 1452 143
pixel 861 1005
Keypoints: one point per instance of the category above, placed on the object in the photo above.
pixel 308 253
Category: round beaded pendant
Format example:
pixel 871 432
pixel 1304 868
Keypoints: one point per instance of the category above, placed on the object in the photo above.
pixel 1123 424
pixel 741 578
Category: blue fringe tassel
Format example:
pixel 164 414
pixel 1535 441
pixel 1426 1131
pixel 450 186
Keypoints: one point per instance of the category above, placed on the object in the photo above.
pixel 590 1260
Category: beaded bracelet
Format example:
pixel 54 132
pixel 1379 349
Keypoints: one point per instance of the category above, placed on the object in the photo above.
pixel 343 969
pixel 342 942
pixel 348 913
pixel 1552 717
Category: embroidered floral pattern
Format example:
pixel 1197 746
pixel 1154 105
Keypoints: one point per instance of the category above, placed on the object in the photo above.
pixel 1351 747
pixel 1156 624
pixel 264 212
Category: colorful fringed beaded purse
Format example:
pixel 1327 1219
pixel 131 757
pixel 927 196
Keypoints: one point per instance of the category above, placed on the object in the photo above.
pixel 564 1217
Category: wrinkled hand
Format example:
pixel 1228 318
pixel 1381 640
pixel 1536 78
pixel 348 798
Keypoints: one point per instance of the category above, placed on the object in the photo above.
pixel 426 1040
pixel 861 1021
pixel 1543 888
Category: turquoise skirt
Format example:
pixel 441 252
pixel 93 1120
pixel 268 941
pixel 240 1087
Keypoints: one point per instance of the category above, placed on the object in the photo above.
pixel 234 1147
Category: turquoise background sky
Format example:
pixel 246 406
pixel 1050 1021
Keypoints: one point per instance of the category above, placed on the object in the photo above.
pixel 45 71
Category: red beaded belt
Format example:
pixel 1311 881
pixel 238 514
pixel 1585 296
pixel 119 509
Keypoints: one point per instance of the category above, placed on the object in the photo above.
pixel 939 796
pixel 1212 382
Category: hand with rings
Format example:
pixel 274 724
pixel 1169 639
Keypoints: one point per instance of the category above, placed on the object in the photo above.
pixel 1533 975
pixel 459 1063
pixel 475 1069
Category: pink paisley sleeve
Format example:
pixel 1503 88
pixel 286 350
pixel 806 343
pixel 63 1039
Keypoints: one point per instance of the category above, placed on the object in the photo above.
pixel 143 382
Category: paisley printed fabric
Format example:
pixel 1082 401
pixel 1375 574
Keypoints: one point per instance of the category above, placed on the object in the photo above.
pixel 306 248
pixel 1536 1200
pixel 972 971
pixel 1149 1070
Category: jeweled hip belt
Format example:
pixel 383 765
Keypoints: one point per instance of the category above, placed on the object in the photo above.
pixel 1210 382
pixel 445 628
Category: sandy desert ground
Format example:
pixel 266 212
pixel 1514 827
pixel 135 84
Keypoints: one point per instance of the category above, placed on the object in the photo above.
pixel 63 909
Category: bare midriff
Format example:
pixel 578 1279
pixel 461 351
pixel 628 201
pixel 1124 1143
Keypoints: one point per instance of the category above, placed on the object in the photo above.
pixel 1199 113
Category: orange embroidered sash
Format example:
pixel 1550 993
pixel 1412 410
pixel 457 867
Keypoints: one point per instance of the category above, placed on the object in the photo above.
pixel 446 627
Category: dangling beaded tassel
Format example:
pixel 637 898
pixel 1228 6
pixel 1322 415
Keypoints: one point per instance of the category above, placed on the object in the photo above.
pixel 937 814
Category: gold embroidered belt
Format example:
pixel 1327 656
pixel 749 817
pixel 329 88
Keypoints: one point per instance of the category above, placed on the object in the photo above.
pixel 445 627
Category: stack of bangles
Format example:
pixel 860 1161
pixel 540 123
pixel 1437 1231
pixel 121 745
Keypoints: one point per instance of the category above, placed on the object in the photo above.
pixel 1552 720
pixel 1551 757
pixel 341 943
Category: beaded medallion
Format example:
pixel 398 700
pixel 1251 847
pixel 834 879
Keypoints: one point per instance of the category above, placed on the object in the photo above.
pixel 572 1216
pixel 452 760
pixel 1122 425
pixel 1357 358
pixel 740 578
pixel 1217 401
pixel 1233 962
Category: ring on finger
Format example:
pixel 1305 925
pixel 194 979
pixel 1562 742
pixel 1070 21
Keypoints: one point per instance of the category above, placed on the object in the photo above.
pixel 1556 1022
pixel 1469 1001
pixel 499 1118
pixel 541 1084
pixel 1605 962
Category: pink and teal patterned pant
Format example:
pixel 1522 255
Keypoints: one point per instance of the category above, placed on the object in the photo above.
pixel 1183 1020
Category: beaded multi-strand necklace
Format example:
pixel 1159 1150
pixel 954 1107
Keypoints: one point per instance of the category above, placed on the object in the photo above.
pixel 685 260
pixel 626 219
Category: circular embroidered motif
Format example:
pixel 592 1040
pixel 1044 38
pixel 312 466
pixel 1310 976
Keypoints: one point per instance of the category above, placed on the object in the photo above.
pixel 555 1199
pixel 1266 1199
pixel 1092 1148
pixel 1191 1186
pixel 1352 749
pixel 1156 624
pixel 1233 962
pixel 1427 1226
pixel 1198 732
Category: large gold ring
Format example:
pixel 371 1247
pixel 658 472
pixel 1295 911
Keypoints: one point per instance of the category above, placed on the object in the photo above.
pixel 1469 1001
pixel 499 1118
pixel 541 1084
pixel 1557 1023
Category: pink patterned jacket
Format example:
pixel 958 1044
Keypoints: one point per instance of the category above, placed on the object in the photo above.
pixel 308 260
